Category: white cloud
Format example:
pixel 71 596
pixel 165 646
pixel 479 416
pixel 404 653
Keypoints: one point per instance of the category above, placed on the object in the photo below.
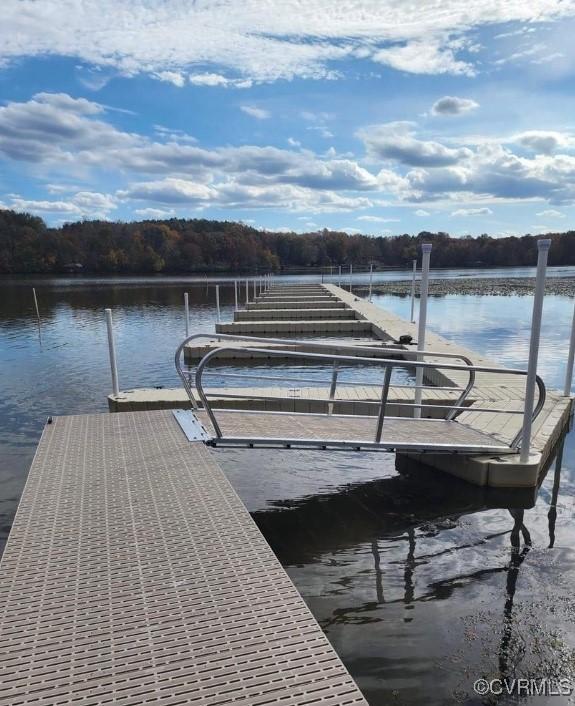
pixel 422 212
pixel 493 170
pixel 258 42
pixel 484 211
pixel 212 79
pixel 54 127
pixel 175 77
pixel 37 131
pixel 452 105
pixel 83 203
pixel 545 141
pixel 65 139
pixel 170 191
pixel 154 212
pixel 395 141
pixel 233 194
pixel 40 206
pixel 254 112
pixel 378 219
pixel 550 213
pixel 425 56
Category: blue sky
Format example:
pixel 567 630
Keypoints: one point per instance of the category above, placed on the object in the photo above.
pixel 380 117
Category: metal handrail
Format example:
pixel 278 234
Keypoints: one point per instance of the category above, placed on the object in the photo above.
pixel 335 358
pixel 352 383
pixel 377 350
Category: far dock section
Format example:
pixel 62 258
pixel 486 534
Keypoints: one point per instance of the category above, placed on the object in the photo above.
pixel 304 315
pixel 295 311
pixel 134 574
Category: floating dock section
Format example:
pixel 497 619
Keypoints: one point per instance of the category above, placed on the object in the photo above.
pixel 133 574
pixel 296 311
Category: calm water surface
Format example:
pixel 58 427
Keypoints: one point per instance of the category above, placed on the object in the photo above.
pixel 422 583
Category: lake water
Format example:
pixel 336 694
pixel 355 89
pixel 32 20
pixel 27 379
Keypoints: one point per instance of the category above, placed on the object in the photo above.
pixel 422 583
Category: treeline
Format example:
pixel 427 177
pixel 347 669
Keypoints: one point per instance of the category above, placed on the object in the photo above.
pixel 27 245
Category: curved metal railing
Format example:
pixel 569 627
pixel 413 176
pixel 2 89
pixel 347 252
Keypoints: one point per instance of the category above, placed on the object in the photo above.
pixel 366 355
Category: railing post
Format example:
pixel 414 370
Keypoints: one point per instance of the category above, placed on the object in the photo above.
pixel 186 313
pixel 247 293
pixel 426 254
pixel 412 315
pixel 350 276
pixel 339 277
pixel 236 294
pixel 218 301
pixel 370 279
pixel 255 290
pixel 112 352
pixel 542 252
pixel 570 359
pixel 383 403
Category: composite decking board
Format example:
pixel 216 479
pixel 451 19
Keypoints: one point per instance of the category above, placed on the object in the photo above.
pixel 134 574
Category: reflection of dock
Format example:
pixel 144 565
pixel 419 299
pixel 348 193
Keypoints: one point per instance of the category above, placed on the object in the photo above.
pixel 492 406
pixel 134 574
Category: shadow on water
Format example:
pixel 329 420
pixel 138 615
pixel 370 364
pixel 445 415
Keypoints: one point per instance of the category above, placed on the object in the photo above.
pixel 425 583
pixel 357 513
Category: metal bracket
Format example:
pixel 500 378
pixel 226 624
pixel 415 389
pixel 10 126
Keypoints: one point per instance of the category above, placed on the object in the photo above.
pixel 191 425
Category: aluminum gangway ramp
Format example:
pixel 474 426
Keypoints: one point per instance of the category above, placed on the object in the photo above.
pixel 134 574
pixel 306 430
pixel 411 428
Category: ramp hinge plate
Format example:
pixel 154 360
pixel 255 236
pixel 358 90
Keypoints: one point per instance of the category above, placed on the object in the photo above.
pixel 191 425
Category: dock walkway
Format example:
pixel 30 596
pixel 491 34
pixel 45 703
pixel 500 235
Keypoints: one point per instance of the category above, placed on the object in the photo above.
pixel 305 313
pixel 133 574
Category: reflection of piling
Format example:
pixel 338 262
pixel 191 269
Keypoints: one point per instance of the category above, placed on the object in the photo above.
pixel 378 573
pixel 552 514
pixel 517 558
pixel 37 314
pixel 408 573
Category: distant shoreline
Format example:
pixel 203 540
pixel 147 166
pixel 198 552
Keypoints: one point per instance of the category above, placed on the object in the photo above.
pixel 515 286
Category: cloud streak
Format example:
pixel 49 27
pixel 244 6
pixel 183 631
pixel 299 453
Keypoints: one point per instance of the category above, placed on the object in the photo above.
pixel 171 40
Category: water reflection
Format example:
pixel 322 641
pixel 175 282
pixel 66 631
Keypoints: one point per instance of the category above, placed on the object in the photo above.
pixel 422 582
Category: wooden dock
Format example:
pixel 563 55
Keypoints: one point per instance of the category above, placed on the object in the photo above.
pixel 133 574
pixel 293 311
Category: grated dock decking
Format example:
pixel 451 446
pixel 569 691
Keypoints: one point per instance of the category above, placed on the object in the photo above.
pixel 133 574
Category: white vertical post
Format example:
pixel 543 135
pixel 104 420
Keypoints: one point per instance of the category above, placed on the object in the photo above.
pixel 112 352
pixel 36 305
pixel 370 279
pixel 570 358
pixel 412 315
pixel 187 313
pixel 218 301
pixel 542 252
pixel 426 254
pixel 255 291
pixel 37 315
pixel 236 294
pixel 339 277
pixel 247 293
pixel 350 276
